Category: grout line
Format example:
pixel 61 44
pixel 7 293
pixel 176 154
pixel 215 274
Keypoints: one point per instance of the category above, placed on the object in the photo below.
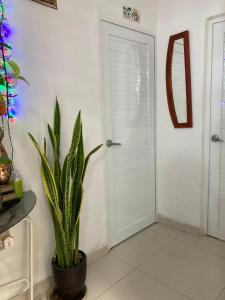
pixel 159 250
pixel 135 268
pixel 115 283
pixel 172 239
pixel 167 235
pixel 147 258
pixel 200 249
pixel 123 261
pixel 163 283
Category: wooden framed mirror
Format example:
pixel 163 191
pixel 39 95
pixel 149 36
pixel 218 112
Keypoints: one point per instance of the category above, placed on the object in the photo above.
pixel 178 80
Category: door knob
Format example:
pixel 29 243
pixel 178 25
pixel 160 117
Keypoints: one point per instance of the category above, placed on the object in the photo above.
pixel 216 138
pixel 110 143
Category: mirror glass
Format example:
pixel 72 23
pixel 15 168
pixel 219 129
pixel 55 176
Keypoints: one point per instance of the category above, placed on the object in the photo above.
pixel 179 81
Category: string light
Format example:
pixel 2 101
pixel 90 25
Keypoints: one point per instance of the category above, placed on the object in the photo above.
pixel 7 82
pixel 8 85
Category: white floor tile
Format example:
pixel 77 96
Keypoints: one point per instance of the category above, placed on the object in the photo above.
pixel 140 247
pixel 206 243
pixel 137 286
pixel 168 231
pixel 103 274
pixel 197 274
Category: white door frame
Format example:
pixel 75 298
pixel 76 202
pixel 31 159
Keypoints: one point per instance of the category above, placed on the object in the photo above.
pixel 207 120
pixel 100 20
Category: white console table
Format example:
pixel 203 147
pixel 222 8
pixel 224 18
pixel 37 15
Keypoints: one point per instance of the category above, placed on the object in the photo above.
pixel 9 217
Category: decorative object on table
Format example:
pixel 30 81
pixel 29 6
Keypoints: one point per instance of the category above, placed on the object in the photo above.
pixel 131 14
pixel 7 195
pixel 17 184
pixel 5 166
pixel 50 3
pixel 64 190
pixel 5 162
pixel 178 80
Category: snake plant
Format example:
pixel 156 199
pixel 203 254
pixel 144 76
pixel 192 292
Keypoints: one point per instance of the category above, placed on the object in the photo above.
pixel 64 188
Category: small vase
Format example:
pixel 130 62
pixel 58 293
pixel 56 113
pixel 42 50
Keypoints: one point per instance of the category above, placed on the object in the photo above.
pixel 5 170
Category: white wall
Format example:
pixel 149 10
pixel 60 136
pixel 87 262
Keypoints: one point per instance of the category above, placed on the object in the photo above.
pixel 59 54
pixel 179 151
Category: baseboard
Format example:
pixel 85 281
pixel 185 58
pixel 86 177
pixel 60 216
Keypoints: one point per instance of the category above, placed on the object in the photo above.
pixel 43 286
pixel 194 230
pixel 93 257
pixel 39 289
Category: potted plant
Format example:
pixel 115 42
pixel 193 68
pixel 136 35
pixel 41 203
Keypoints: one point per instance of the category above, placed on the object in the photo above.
pixel 64 190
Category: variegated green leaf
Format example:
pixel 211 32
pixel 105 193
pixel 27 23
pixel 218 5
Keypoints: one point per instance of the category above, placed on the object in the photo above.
pixel 88 158
pixel 57 121
pixel 77 182
pixel 51 185
pixel 53 140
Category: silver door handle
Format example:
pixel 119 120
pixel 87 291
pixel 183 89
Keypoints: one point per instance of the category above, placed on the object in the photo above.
pixel 216 138
pixel 110 143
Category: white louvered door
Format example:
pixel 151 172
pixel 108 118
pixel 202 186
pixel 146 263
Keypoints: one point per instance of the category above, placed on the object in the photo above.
pixel 216 218
pixel 128 67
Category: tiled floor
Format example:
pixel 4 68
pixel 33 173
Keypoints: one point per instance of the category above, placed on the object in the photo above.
pixel 160 263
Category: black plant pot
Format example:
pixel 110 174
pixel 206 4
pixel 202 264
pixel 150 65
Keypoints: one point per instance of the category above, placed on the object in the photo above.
pixel 70 283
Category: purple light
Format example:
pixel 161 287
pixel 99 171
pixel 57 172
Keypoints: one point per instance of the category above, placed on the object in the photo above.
pixel 6 30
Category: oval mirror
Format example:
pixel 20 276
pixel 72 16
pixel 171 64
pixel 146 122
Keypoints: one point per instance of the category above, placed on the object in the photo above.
pixel 178 80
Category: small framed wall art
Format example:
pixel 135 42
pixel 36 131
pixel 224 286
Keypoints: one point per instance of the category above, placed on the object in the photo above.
pixel 50 3
pixel 131 14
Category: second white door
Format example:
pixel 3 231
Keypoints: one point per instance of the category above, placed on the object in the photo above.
pixel 216 215
pixel 129 95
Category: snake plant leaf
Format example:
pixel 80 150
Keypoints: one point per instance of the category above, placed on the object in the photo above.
pixel 57 222
pixel 53 140
pixel 77 182
pixel 63 175
pixel 56 163
pixel 72 152
pixel 45 147
pixel 76 135
pixel 56 213
pixel 57 121
pixel 88 158
pixel 51 191
pixel 77 256
pixel 74 166
pixel 66 195
pixel 15 68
